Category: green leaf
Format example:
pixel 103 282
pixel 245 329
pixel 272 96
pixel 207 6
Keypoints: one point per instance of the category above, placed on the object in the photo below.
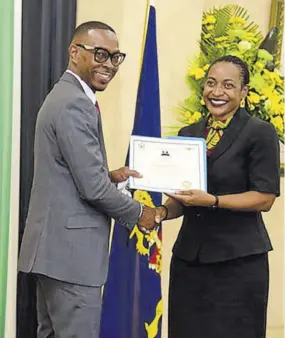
pixel 265 55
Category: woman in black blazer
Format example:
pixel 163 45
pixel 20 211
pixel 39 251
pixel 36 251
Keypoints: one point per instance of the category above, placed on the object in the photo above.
pixel 219 270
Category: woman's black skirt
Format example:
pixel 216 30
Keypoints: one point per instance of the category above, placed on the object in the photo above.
pixel 219 300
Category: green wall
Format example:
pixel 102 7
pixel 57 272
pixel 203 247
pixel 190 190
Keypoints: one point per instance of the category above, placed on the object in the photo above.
pixel 6 112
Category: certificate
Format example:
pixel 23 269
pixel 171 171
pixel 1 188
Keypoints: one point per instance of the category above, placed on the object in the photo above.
pixel 168 165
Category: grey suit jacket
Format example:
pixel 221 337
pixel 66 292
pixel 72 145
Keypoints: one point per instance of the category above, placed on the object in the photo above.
pixel 72 198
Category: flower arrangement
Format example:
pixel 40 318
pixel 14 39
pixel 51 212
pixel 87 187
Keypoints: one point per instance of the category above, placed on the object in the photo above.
pixel 226 31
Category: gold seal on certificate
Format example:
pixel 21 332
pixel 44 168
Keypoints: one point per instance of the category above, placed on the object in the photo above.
pixel 168 165
pixel 187 184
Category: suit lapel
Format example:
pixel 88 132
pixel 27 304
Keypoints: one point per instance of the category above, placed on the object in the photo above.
pixel 239 120
pixel 101 137
pixel 72 79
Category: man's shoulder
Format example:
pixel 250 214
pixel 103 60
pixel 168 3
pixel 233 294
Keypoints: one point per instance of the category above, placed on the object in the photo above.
pixel 64 97
pixel 66 90
pixel 65 93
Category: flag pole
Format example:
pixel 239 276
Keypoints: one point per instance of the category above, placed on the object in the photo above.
pixel 144 33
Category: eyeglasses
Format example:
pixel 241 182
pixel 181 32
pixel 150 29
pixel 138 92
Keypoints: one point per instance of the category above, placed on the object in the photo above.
pixel 102 55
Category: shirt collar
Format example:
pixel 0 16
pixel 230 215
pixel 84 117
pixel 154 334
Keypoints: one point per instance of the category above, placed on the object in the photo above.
pixel 88 91
pixel 218 124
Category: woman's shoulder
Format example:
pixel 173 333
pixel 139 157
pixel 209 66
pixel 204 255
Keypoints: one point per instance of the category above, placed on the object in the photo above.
pixel 191 129
pixel 186 130
pixel 259 126
pixel 260 133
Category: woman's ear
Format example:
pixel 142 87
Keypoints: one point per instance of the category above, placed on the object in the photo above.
pixel 244 91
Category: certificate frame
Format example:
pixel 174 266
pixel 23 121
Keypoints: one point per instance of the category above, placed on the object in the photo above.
pixel 178 141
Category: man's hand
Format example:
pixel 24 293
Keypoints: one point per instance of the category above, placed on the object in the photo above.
pixel 122 174
pixel 147 219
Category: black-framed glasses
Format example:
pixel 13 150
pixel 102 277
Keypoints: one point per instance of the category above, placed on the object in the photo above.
pixel 102 55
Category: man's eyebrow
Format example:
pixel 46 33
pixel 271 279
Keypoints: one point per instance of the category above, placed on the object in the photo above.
pixel 114 51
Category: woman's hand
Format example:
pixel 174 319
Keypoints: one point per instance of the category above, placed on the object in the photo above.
pixel 160 214
pixel 194 198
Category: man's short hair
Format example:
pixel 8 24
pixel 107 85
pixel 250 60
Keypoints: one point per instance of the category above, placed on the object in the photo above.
pixel 90 25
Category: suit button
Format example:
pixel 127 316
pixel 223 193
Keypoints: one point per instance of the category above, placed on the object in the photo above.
pixel 198 215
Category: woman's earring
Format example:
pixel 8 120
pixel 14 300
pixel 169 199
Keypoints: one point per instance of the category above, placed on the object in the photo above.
pixel 242 103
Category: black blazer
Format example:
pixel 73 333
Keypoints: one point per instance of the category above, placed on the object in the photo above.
pixel 246 158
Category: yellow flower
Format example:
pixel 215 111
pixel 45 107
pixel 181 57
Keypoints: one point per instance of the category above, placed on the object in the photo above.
pixel 202 102
pixel 276 78
pixel 221 38
pixel 206 67
pixel 279 109
pixel 272 78
pixel 254 98
pixel 194 117
pixel 278 123
pixel 210 19
pixel 207 36
pixel 237 21
pixel 251 107
pixel 250 37
pixel 210 27
pixel 197 115
pixel 198 73
pixel 187 114
pixel 268 91
pixel 274 102
pixel 260 65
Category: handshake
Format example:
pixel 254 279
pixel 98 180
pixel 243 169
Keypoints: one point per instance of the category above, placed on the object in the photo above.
pixel 151 217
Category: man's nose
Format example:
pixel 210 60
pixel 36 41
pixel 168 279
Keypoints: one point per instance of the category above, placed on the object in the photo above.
pixel 108 63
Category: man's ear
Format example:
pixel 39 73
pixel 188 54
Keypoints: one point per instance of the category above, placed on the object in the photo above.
pixel 73 53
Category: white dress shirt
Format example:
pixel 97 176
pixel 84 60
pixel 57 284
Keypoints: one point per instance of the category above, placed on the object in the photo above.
pixel 88 91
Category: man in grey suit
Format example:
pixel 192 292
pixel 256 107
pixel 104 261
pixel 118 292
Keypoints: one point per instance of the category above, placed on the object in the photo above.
pixel 74 196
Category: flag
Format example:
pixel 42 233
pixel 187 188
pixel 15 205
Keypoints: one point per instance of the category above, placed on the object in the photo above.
pixel 132 302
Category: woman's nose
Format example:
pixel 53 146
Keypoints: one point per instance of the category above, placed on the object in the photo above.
pixel 217 91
